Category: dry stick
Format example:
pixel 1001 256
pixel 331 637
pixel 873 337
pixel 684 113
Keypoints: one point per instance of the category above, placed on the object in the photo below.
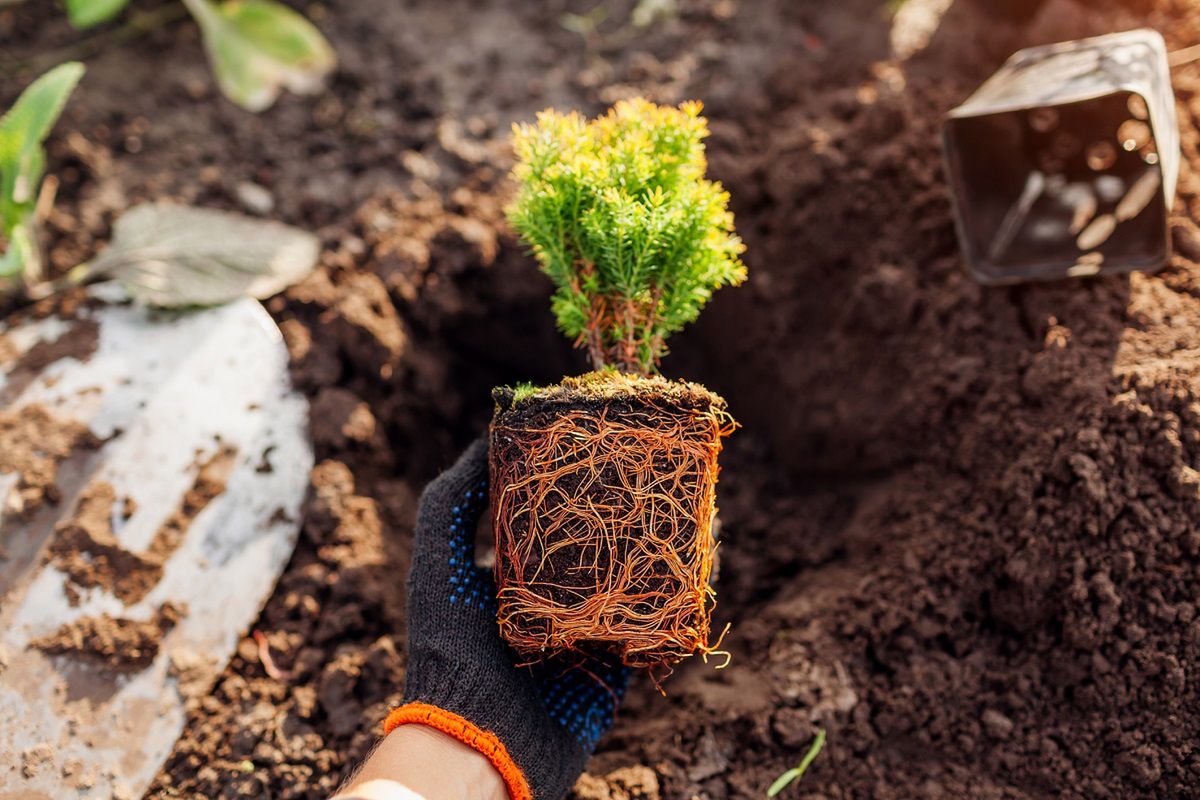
pixel 1186 55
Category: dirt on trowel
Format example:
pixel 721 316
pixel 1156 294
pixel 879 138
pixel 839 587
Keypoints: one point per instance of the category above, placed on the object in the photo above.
pixel 86 550
pixel 113 641
pixel 33 442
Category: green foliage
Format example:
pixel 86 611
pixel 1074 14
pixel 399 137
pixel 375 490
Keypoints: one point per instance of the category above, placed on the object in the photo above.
pixel 257 47
pixel 620 216
pixel 797 772
pixel 260 47
pixel 23 163
pixel 85 14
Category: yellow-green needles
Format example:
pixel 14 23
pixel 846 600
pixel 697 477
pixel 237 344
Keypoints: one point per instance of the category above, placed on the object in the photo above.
pixel 620 216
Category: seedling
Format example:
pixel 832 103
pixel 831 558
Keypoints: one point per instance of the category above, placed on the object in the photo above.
pixel 797 772
pixel 257 48
pixel 23 129
pixel 603 487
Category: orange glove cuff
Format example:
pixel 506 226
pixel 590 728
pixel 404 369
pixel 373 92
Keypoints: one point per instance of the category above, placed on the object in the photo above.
pixel 485 742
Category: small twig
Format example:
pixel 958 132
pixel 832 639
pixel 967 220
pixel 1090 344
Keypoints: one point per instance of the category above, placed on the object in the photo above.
pixel 264 655
pixel 1177 58
pixel 46 195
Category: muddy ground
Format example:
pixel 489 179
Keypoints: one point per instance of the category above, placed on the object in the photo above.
pixel 961 525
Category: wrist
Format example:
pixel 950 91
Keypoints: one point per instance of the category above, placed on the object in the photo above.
pixel 417 762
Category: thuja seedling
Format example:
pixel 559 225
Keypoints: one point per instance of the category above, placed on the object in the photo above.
pixel 603 487
pixel 257 48
pixel 620 216
pixel 23 129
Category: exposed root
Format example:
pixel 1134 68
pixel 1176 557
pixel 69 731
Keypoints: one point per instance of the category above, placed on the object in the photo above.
pixel 603 517
pixel 264 655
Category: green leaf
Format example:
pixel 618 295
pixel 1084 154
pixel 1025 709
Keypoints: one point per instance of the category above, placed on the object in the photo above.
pixel 22 161
pixel 797 772
pixel 27 125
pixel 648 12
pixel 89 13
pixel 260 47
pixel 30 119
pixel 174 256
pixel 19 254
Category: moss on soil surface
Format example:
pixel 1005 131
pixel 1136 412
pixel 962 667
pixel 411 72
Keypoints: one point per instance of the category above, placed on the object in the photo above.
pixel 602 387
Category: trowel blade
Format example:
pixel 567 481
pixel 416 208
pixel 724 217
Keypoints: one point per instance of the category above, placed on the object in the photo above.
pixel 152 468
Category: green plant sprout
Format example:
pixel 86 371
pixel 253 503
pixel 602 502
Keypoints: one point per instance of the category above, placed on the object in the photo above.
pixel 84 14
pixel 23 129
pixel 619 214
pixel 797 772
pixel 257 48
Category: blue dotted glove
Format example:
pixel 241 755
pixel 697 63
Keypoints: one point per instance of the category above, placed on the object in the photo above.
pixel 537 723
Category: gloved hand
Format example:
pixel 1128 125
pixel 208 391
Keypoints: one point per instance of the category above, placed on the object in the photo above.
pixel 537 724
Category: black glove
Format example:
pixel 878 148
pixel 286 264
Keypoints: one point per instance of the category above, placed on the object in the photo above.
pixel 536 724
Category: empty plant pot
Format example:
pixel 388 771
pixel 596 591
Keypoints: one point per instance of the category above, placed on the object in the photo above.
pixel 1064 162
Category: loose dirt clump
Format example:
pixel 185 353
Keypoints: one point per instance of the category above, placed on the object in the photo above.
pixel 33 442
pixel 78 342
pixel 116 642
pixel 86 548
pixel 35 758
pixel 626 783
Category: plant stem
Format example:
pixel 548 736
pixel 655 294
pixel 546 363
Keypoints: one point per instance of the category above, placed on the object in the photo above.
pixel 797 772
pixel 76 276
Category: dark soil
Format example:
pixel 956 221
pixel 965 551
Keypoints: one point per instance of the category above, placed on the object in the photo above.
pixel 961 525
pixel 596 390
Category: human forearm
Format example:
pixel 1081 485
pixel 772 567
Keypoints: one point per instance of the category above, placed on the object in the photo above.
pixel 416 762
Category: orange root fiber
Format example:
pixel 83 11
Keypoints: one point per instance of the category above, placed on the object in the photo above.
pixel 603 505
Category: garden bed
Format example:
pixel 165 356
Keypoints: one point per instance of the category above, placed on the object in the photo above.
pixel 960 525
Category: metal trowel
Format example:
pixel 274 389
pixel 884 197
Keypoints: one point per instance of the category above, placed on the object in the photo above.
pixel 152 469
